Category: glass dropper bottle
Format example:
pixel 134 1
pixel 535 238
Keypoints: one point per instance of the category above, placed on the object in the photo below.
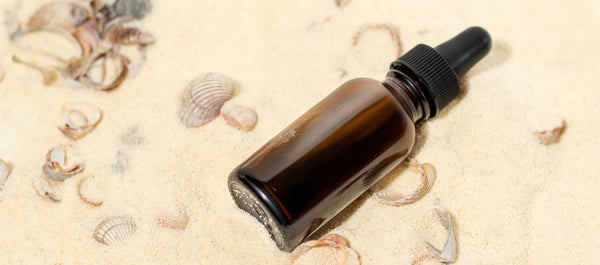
pixel 339 148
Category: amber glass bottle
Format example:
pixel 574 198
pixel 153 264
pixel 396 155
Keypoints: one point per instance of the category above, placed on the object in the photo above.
pixel 333 153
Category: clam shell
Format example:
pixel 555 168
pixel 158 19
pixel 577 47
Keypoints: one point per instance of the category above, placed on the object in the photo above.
pixel 113 229
pixel 134 8
pixel 204 97
pixel 241 118
pixel 77 120
pixel 43 188
pixel 127 31
pixel 63 162
pixel 176 220
pixel 65 15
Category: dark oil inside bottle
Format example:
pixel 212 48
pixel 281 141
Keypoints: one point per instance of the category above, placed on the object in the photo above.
pixel 329 156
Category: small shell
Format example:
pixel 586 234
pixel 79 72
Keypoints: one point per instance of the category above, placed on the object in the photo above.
pixel 83 197
pixel 113 229
pixel 551 136
pixel 428 175
pixel 134 8
pixel 346 255
pixel 387 26
pixel 77 120
pixel 177 220
pixel 241 118
pixel 341 3
pixel 204 97
pixel 106 71
pixel 63 162
pixel 87 36
pixel 448 254
pixel 4 171
pixel 44 189
pixel 127 31
pixel 63 33
pixel 62 14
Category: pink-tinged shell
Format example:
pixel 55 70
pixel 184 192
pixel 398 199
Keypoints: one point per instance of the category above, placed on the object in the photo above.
pixel 175 220
pixel 113 229
pixel 204 97
pixel 63 162
pixel 63 14
pixel 126 30
pixel 345 255
pixel 77 120
pixel 551 136
pixel 241 118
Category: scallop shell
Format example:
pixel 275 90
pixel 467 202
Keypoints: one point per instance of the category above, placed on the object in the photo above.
pixel 77 120
pixel 134 8
pixel 63 162
pixel 345 256
pixel 65 15
pixel 204 97
pixel 241 118
pixel 111 230
pixel 43 188
pixel 4 171
pixel 127 31
pixel 177 220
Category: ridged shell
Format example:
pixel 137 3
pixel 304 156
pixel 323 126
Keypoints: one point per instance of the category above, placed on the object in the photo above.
pixel 62 14
pixel 134 8
pixel 77 120
pixel 111 230
pixel 63 162
pixel 241 118
pixel 176 220
pixel 127 31
pixel 204 97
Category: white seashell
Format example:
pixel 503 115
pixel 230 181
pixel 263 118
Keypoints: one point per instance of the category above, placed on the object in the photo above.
pixel 428 175
pixel 393 30
pixel 44 189
pixel 551 136
pixel 127 31
pixel 448 253
pixel 241 118
pixel 77 120
pixel 113 229
pixel 204 97
pixel 105 71
pixel 4 171
pixel 83 197
pixel 62 14
pixel 63 162
pixel 63 33
pixel 177 220
pixel 346 255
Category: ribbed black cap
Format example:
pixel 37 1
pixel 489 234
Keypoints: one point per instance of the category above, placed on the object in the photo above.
pixel 438 70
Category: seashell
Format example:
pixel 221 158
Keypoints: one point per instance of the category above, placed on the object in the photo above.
pixel 386 26
pixel 134 8
pixel 83 197
pixel 77 120
pixel 65 15
pixel 345 256
pixel 111 230
pixel 50 75
pixel 17 35
pixel 551 136
pixel 241 118
pixel 341 3
pixel 177 220
pixel 127 31
pixel 105 71
pixel 87 36
pixel 428 175
pixel 448 253
pixel 44 189
pixel 204 97
pixel 4 171
pixel 63 162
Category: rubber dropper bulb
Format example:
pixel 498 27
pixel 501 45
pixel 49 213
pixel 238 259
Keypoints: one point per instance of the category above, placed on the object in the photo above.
pixel 466 49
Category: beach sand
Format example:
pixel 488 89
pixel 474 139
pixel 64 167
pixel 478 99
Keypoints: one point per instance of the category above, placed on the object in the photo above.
pixel 512 199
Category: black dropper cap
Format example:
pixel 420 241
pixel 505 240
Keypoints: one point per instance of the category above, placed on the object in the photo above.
pixel 438 70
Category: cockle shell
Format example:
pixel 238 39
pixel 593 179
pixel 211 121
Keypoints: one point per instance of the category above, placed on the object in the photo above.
pixel 126 30
pixel 134 8
pixel 77 120
pixel 241 118
pixel 174 220
pixel 346 255
pixel 65 15
pixel 43 188
pixel 113 229
pixel 4 171
pixel 63 162
pixel 204 97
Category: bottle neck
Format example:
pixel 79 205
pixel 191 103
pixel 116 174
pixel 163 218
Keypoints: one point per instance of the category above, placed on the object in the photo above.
pixel 408 92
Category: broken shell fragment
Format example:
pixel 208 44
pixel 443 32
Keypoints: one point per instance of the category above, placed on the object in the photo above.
pixel 77 120
pixel 176 220
pixel 241 118
pixel 135 8
pixel 106 71
pixel 448 253
pixel 127 31
pixel 83 197
pixel 113 229
pixel 63 162
pixel 341 3
pixel 551 136
pixel 4 171
pixel 43 188
pixel 345 256
pixel 204 97
pixel 62 14
pixel 428 175
pixel 386 26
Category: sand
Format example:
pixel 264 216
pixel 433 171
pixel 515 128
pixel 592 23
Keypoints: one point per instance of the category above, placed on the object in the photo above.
pixel 513 200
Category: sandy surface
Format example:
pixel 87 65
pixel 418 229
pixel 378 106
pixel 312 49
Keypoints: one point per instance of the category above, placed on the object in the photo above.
pixel 513 200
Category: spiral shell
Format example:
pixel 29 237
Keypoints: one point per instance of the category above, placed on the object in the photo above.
pixel 113 229
pixel 63 162
pixel 204 97
pixel 65 15
pixel 126 30
pixel 241 118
